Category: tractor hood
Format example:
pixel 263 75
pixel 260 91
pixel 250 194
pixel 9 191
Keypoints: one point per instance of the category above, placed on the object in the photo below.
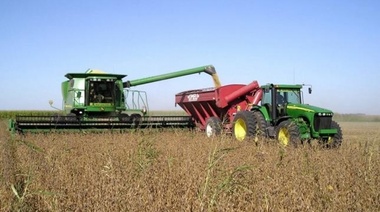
pixel 300 109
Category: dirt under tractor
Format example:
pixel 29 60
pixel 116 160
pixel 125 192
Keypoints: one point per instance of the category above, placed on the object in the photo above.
pixel 99 100
pixel 251 112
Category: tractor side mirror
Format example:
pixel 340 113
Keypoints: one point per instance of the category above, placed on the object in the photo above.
pixel 79 94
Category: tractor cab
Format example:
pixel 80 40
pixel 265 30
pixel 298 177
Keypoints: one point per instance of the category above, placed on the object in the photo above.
pixel 276 98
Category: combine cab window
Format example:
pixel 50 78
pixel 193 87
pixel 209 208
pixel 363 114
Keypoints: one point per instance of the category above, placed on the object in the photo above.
pixel 101 92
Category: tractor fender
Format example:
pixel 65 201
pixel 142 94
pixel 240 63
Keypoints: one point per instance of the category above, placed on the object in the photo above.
pixel 262 110
pixel 284 118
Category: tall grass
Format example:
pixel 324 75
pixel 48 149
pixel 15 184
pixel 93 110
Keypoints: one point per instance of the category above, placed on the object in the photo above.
pixel 182 170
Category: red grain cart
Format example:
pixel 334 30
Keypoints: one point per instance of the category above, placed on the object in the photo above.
pixel 213 109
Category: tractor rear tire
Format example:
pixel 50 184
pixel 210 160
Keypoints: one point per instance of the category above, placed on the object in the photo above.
pixel 244 125
pixel 213 127
pixel 288 133
pixel 261 125
pixel 336 140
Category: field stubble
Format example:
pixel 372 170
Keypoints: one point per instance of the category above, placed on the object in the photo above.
pixel 185 171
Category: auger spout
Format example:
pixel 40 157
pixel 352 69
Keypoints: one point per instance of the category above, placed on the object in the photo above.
pixel 209 69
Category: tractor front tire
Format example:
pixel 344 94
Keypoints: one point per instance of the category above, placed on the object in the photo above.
pixel 288 133
pixel 213 127
pixel 334 141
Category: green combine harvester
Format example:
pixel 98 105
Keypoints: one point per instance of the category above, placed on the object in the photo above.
pixel 97 100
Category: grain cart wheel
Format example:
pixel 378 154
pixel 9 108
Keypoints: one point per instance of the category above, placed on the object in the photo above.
pixel 287 132
pixel 213 127
pixel 336 140
pixel 243 125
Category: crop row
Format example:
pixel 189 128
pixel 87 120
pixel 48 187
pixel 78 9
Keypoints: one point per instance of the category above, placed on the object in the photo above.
pixel 6 114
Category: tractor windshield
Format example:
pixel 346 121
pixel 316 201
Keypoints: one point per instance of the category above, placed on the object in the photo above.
pixel 289 96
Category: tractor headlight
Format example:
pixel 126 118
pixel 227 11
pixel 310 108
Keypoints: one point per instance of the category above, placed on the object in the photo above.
pixel 325 114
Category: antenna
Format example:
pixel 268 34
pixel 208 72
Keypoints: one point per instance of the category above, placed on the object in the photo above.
pixel 294 76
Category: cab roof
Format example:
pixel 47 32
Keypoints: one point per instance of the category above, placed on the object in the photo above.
pixel 101 75
pixel 285 86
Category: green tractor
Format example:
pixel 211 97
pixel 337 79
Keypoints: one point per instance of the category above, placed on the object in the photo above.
pixel 283 115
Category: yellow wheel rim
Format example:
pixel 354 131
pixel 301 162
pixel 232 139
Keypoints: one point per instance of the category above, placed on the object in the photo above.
pixel 240 129
pixel 283 136
pixel 329 140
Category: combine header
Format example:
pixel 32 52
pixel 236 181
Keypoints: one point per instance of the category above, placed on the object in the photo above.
pixel 99 100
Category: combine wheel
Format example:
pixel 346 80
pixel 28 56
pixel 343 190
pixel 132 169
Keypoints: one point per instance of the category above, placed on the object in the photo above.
pixel 287 132
pixel 124 117
pixel 213 127
pixel 244 125
pixel 71 117
pixel 336 140
pixel 135 119
pixel 56 118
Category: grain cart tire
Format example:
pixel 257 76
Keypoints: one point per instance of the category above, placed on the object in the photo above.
pixel 213 127
pixel 261 126
pixel 288 133
pixel 244 125
pixel 336 140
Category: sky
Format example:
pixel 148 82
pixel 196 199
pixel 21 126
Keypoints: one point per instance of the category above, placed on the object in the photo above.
pixel 332 45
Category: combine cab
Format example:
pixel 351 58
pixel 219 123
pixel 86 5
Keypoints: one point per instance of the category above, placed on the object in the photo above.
pixel 97 100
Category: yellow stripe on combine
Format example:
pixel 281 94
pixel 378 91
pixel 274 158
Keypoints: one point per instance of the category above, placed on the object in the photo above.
pixel 300 108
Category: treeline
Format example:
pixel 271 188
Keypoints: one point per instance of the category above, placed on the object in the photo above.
pixel 356 117
pixel 8 114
